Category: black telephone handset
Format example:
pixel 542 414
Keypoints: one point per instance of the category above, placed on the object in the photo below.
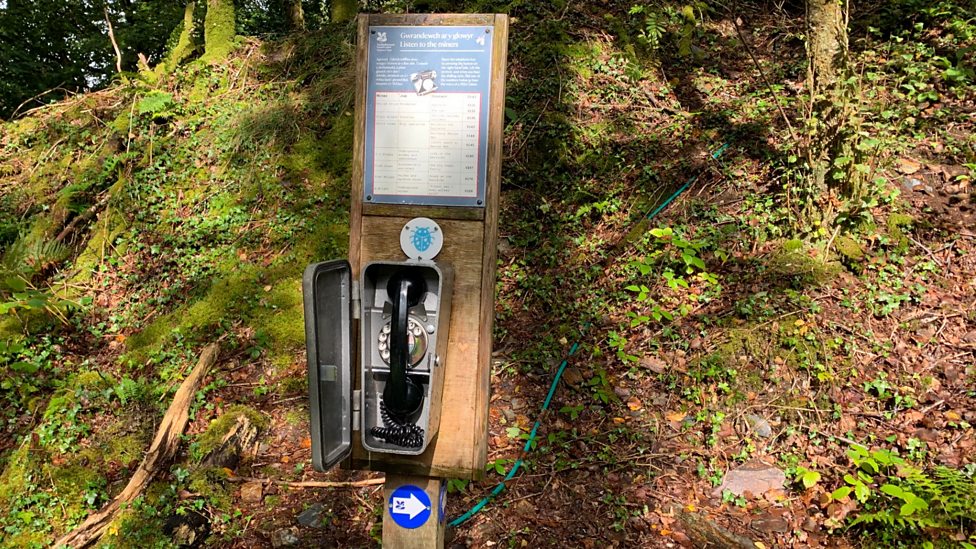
pixel 402 396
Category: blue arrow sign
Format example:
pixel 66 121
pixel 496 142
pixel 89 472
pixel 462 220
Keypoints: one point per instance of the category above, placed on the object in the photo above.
pixel 409 506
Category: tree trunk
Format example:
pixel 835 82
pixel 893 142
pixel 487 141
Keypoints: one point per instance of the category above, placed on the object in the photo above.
pixel 829 116
pixel 344 10
pixel 826 44
pixel 219 29
pixel 296 16
pixel 185 45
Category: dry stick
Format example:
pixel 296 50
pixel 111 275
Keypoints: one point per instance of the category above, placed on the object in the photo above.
pixel 762 75
pixel 85 216
pixel 161 451
pixel 313 483
pixel 115 45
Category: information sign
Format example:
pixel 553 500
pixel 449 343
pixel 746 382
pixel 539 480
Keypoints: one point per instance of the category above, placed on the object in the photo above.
pixel 427 96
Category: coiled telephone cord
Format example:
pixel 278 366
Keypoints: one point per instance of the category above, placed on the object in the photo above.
pixel 407 435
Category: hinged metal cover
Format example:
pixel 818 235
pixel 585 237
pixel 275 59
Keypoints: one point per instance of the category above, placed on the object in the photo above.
pixel 327 290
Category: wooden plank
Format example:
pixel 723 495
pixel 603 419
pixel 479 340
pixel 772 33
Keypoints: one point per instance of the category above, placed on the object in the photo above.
pixel 496 121
pixel 450 454
pixel 433 212
pixel 359 144
pixel 430 535
pixel 432 19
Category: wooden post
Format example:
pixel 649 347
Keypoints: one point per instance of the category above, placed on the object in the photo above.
pixel 414 493
pixel 428 535
pixel 470 243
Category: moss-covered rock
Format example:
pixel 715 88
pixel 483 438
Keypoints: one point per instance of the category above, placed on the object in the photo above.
pixel 213 437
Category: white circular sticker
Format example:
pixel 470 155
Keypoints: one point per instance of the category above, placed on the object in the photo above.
pixel 421 238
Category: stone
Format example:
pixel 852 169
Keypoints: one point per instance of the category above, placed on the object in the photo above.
pixel 517 403
pixel 759 425
pixel 285 537
pixel 754 477
pixel 572 376
pixel 252 492
pixel 312 517
pixel 771 523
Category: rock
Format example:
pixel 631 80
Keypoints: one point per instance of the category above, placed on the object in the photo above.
pixel 758 425
pixel 572 376
pixel 312 517
pixel 754 477
pixel 504 247
pixel 622 392
pixel 284 537
pixel 517 403
pixel 252 492
pixel 771 523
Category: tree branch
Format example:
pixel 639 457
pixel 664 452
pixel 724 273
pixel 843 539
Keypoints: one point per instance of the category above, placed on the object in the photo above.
pixel 115 45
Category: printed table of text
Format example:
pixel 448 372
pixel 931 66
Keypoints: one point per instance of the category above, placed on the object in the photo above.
pixel 426 145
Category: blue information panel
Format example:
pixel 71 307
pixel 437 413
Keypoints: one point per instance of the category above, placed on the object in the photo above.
pixel 427 93
pixel 409 506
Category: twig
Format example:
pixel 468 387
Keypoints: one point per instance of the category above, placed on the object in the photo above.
pixel 932 406
pixel 115 45
pixel 313 483
pixel 85 216
pixel 762 74
pixel 926 249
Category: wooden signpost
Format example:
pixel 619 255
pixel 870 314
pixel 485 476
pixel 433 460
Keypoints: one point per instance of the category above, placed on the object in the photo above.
pixel 428 144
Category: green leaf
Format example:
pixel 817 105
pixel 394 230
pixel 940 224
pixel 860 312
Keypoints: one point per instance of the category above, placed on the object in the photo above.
pixel 913 504
pixel 841 492
pixel 16 283
pixel 894 491
pixel 513 432
pixel 155 102
pixel 24 367
pixel 810 478
pixel 807 477
pixel 861 492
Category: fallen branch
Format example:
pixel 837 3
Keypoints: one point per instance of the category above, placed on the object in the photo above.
pixel 161 451
pixel 115 45
pixel 85 216
pixel 312 483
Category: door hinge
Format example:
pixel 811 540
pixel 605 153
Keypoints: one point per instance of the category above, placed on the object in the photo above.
pixel 356 394
pixel 356 300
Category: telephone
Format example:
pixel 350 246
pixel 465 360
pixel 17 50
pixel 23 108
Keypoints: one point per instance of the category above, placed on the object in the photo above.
pixel 403 309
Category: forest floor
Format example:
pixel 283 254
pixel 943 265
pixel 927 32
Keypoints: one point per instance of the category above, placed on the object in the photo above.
pixel 731 383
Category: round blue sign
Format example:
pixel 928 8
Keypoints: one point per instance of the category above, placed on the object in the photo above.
pixel 409 506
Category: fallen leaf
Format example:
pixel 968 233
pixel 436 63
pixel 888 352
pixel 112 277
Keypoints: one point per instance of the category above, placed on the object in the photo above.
pixel 306 442
pixel 285 459
pixel 907 166
pixel 634 404
pixel 677 417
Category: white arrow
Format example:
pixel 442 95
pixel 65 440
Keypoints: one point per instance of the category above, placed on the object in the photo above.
pixel 408 506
